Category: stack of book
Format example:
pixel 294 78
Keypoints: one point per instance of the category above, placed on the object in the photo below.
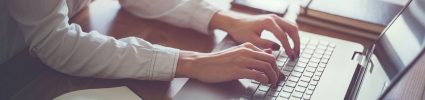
pixel 364 18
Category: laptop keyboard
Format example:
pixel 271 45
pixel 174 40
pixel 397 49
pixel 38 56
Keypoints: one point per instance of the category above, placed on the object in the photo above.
pixel 302 74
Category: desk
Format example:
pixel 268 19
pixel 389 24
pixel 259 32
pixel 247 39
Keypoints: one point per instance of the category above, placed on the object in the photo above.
pixel 39 82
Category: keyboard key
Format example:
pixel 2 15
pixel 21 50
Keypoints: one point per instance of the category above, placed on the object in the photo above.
pixel 288 68
pixel 316 78
pixel 291 63
pixel 275 53
pixel 311 47
pixel 304 60
pixel 305 79
pixel 309 92
pixel 308 74
pixel 299 69
pixel 332 45
pixel 290 84
pixel 281 83
pixel 311 44
pixel 313 64
pixel 326 56
pixel 287 89
pixel 321 47
pixel 324 60
pixel 259 95
pixel 270 98
pixel 313 41
pixel 251 89
pixel 301 64
pixel 280 63
pixel 324 43
pixel 302 46
pixel 318 73
pixel 311 87
pixel 328 52
pixel 308 51
pixel 279 88
pixel 255 82
pixel 320 69
pixel 319 52
pixel 272 93
pixel 297 94
pixel 310 69
pixel 329 49
pixel 286 73
pixel 294 98
pixel 293 78
pixel 281 98
pixel 306 97
pixel 302 84
pixel 322 65
pixel 314 83
pixel 273 89
pixel 296 74
pixel 316 55
pixel 283 54
pixel 308 56
pixel 300 89
pixel 316 60
pixel 304 40
pixel 282 59
pixel 263 88
pixel 284 94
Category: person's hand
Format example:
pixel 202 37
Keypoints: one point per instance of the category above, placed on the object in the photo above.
pixel 249 28
pixel 243 61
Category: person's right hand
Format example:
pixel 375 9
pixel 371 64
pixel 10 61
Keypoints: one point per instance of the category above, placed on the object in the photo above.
pixel 243 61
pixel 248 28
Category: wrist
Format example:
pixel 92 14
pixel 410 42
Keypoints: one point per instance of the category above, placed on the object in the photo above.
pixel 222 20
pixel 186 64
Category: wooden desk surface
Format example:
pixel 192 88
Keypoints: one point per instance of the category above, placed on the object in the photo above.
pixel 107 17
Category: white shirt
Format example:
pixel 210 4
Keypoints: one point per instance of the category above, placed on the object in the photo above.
pixel 42 28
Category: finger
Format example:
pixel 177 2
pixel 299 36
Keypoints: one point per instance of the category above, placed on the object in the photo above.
pixel 251 46
pixel 263 56
pixel 264 67
pixel 267 57
pixel 282 76
pixel 273 27
pixel 255 75
pixel 268 50
pixel 292 30
pixel 253 51
pixel 264 43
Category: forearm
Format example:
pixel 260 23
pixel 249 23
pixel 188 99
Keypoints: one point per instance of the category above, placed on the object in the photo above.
pixel 194 14
pixel 66 48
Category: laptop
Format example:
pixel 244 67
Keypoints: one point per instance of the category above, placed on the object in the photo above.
pixel 330 68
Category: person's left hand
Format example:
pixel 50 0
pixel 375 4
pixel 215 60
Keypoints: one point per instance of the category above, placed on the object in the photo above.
pixel 249 28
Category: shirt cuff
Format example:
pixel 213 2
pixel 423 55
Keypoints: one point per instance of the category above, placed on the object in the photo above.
pixel 164 63
pixel 203 14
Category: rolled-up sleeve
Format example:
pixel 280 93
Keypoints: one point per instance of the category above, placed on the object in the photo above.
pixel 66 48
pixel 195 14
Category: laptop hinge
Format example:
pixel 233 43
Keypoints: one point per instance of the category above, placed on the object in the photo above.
pixel 360 58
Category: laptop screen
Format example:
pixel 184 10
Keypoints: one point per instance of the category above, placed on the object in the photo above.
pixel 404 39
pixel 399 46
